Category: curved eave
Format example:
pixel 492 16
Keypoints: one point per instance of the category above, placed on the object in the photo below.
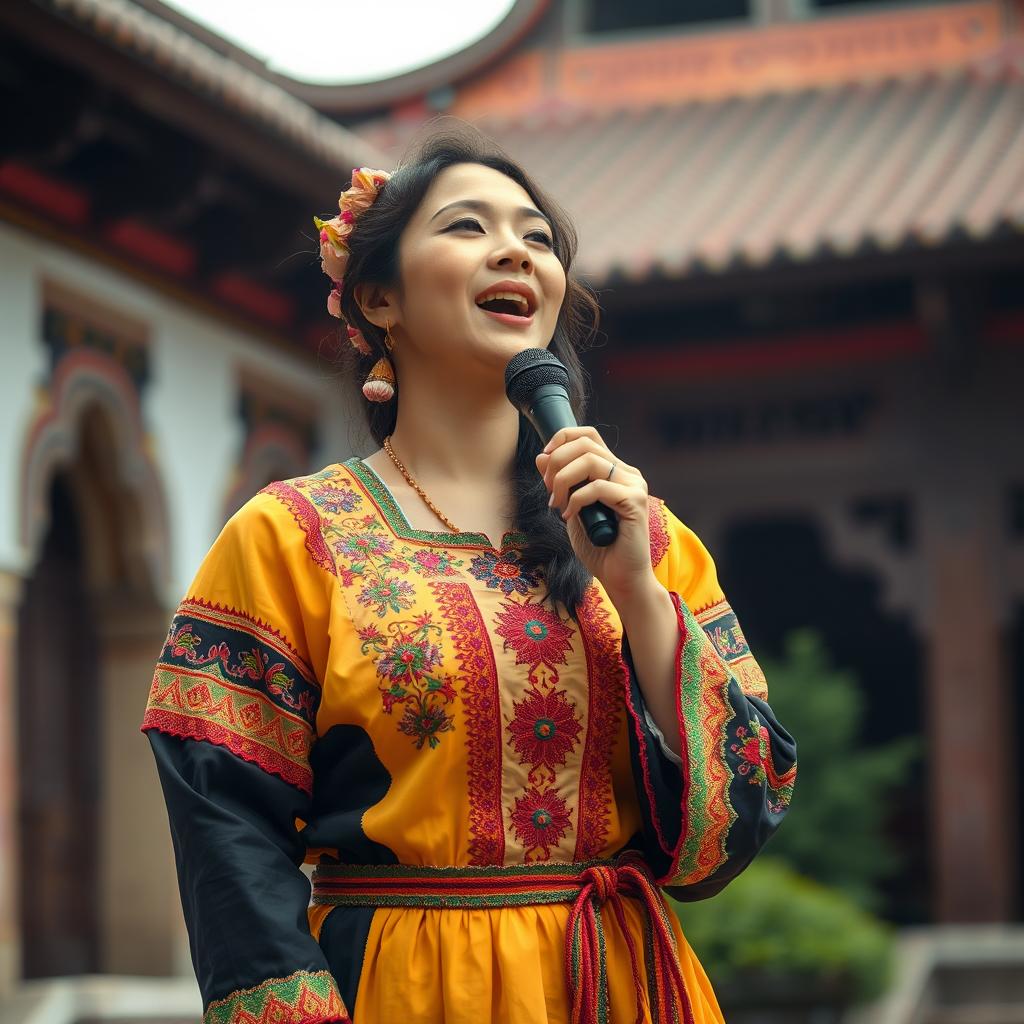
pixel 340 99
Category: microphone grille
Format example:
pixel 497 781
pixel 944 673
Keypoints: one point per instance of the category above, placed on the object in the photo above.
pixel 528 370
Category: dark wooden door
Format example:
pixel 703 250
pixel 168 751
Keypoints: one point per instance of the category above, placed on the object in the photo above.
pixel 59 755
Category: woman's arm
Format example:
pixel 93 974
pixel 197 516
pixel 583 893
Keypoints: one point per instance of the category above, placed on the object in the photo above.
pixel 231 718
pixel 707 818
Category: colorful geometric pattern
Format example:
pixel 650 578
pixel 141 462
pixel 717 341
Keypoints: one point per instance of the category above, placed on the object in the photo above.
pixel 721 625
pixel 301 998
pixel 229 679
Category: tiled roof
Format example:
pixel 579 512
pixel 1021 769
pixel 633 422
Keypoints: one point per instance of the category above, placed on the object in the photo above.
pixel 133 30
pixel 709 187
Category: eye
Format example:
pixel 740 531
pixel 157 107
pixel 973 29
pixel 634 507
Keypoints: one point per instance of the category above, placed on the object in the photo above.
pixel 542 236
pixel 462 223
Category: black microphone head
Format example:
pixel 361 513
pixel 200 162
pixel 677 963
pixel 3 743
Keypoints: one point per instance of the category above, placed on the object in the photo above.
pixel 528 370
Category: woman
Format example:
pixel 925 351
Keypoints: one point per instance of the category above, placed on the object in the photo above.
pixel 498 743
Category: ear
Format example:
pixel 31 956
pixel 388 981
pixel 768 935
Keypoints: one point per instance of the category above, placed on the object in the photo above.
pixel 376 303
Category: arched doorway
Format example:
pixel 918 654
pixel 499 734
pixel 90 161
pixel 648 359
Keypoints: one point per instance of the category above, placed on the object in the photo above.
pixel 92 833
pixel 59 752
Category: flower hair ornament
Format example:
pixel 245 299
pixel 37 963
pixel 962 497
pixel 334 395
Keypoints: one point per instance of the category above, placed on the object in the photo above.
pixel 367 182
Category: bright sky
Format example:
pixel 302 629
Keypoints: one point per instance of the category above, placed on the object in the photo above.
pixel 341 41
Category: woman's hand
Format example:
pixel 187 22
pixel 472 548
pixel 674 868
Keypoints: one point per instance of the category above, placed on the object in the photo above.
pixel 578 455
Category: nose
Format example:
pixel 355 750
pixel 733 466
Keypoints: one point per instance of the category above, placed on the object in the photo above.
pixel 514 252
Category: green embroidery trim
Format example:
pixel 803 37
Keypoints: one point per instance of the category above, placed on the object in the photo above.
pixel 301 998
pixel 709 749
pixel 402 528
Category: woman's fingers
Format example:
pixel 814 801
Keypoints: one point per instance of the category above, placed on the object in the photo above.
pixel 590 465
pixel 607 491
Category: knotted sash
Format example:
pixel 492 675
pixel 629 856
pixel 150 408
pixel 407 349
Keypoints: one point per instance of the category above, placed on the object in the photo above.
pixel 588 885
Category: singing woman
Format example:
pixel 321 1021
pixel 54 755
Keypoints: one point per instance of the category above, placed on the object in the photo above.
pixel 499 745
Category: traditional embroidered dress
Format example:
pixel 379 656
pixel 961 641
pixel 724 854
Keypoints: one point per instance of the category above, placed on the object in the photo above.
pixel 465 763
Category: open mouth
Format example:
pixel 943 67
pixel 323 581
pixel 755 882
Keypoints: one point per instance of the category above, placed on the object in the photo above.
pixel 507 305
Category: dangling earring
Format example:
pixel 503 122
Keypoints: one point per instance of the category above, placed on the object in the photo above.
pixel 379 385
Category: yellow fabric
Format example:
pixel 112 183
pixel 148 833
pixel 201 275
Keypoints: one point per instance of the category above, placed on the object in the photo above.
pixel 330 564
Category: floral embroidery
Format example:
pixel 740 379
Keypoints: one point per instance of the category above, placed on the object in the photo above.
pixel 541 821
pixel 332 499
pixel 431 564
pixel 534 632
pixel 386 593
pixel 756 764
pixel 407 664
pixel 367 544
pixel 545 728
pixel 503 572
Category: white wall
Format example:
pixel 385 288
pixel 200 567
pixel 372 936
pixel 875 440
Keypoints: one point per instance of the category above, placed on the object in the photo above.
pixel 189 405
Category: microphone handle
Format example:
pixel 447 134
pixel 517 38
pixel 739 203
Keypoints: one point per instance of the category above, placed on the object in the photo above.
pixel 549 411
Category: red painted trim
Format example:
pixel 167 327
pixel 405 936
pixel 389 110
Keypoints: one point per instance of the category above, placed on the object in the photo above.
pixel 153 247
pixel 1005 329
pixel 729 358
pixel 63 201
pixel 265 303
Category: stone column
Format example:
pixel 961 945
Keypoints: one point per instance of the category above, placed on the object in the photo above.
pixel 142 925
pixel 970 733
pixel 10 867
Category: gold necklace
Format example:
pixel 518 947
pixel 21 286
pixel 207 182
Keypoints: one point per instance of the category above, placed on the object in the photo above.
pixel 416 487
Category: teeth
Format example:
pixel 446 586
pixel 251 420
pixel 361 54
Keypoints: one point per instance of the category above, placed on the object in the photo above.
pixel 514 296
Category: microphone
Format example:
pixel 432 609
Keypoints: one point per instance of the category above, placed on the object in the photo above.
pixel 537 384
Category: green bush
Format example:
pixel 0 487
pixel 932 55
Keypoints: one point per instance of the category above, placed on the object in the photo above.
pixel 772 923
pixel 834 829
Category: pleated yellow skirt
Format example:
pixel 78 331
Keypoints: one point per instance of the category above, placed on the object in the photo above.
pixel 502 966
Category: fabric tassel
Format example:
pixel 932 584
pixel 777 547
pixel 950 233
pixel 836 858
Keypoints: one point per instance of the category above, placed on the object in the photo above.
pixel 379 385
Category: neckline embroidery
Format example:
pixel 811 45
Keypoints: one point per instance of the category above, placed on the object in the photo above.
pixel 401 527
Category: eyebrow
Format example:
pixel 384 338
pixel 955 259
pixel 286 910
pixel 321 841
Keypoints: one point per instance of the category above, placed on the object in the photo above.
pixel 479 204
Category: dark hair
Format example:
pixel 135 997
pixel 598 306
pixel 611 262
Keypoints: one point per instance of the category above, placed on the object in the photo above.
pixel 373 257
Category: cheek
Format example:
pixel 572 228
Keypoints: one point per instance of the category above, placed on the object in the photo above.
pixel 435 279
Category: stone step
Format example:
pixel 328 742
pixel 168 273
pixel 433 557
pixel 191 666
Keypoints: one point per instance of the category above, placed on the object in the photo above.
pixel 976 1013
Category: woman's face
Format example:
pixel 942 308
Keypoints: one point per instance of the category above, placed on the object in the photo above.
pixel 475 229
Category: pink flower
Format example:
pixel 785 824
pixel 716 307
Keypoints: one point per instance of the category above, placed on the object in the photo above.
pixel 334 301
pixel 358 341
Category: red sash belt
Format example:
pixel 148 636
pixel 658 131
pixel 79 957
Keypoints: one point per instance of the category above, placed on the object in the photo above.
pixel 588 885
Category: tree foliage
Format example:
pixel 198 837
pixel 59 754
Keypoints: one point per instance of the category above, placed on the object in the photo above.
pixel 834 829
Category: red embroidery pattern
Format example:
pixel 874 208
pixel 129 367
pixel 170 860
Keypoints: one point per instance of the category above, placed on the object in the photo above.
pixel 541 820
pixel 544 729
pixel 478 683
pixel 657 529
pixel 536 634
pixel 757 766
pixel 708 820
pixel 229 717
pixel 305 514
pixel 608 679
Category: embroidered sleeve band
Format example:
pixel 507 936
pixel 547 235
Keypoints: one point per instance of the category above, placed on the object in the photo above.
pixel 301 998
pixel 228 679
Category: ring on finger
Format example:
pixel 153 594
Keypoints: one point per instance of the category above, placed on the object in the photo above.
pixel 612 470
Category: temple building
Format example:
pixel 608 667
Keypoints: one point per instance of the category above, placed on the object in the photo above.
pixel 804 220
